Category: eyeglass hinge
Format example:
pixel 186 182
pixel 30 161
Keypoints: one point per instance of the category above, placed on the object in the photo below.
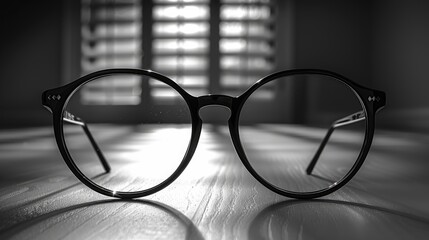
pixel 378 98
pixel 50 98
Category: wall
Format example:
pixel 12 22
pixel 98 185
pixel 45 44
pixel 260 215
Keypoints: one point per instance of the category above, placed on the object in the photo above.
pixel 335 36
pixel 383 44
pixel 400 62
pixel 29 59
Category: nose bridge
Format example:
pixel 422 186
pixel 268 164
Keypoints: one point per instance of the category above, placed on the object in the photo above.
pixel 215 99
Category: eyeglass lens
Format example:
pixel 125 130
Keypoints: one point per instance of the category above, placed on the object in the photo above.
pixel 281 127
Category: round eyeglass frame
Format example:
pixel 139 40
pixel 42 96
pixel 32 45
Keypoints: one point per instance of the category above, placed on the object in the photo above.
pixel 235 104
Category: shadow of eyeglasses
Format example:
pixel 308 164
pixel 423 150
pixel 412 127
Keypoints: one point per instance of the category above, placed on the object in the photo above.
pixel 188 229
pixel 335 219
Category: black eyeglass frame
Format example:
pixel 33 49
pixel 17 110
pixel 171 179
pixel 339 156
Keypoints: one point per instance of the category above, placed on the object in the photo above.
pixel 55 100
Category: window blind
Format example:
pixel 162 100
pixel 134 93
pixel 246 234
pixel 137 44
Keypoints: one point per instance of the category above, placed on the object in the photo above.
pixel 180 46
pixel 246 44
pixel 111 38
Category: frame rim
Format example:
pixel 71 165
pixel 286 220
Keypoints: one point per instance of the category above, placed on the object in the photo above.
pixel 360 92
pixel 235 105
pixel 67 91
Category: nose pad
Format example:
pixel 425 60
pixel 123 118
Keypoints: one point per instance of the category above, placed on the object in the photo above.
pixel 215 114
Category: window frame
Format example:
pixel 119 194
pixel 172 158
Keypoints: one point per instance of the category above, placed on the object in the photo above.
pixel 283 56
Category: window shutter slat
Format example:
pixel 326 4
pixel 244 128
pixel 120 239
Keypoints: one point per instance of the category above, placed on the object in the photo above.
pixel 246 44
pixel 180 45
pixel 111 38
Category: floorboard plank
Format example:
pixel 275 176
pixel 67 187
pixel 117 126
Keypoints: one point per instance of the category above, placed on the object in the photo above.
pixel 215 197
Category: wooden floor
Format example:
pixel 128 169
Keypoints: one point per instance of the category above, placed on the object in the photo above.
pixel 214 198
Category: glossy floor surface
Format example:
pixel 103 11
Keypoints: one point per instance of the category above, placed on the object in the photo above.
pixel 215 197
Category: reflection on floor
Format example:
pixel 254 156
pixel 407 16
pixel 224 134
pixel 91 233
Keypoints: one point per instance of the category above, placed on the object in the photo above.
pixel 216 197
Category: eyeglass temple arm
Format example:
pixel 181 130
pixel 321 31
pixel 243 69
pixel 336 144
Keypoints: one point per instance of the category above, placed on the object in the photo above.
pixel 352 118
pixel 70 118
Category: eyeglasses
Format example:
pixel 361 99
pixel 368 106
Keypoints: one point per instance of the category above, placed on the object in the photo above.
pixel 301 133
